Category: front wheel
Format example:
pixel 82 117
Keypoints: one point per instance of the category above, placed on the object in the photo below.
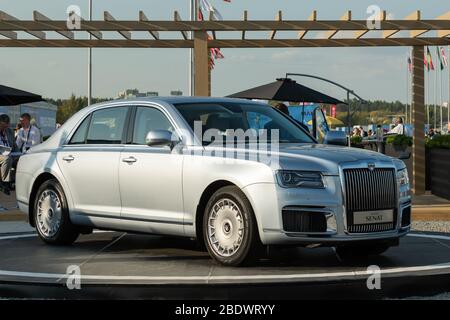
pixel 51 215
pixel 229 227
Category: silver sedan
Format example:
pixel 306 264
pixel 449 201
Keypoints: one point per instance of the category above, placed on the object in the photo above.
pixel 236 175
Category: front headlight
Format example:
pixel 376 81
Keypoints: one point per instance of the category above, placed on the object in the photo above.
pixel 300 179
pixel 402 177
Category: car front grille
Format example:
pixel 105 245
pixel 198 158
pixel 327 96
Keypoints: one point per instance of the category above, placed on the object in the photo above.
pixel 370 190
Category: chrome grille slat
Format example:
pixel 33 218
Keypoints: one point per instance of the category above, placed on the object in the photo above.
pixel 368 190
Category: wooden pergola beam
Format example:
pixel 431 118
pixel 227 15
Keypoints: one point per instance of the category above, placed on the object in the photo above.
pixel 444 33
pixel 346 17
pixel 244 18
pixel 230 25
pixel 143 18
pixel 418 121
pixel 37 16
pixel 279 18
pixel 211 18
pixel 9 34
pixel 312 17
pixel 201 63
pixel 9 19
pixel 228 43
pixel 177 17
pixel 415 16
pixel 109 18
pixel 387 33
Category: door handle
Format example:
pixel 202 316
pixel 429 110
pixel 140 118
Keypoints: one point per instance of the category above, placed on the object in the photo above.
pixel 69 158
pixel 129 160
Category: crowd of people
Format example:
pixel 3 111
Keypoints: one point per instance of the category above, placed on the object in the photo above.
pixel 13 143
pixel 399 128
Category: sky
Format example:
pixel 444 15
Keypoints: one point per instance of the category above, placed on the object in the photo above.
pixel 374 73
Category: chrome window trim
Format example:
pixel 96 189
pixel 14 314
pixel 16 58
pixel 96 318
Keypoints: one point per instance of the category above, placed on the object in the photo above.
pixel 130 104
pixel 75 128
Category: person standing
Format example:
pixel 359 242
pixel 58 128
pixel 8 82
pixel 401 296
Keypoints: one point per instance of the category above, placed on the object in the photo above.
pixel 8 146
pixel 285 109
pixel 399 127
pixel 29 135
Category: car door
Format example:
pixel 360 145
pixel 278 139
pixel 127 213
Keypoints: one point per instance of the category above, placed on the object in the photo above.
pixel 90 162
pixel 151 177
pixel 320 125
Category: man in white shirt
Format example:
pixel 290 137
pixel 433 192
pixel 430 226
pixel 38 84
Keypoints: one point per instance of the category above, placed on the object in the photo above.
pixel 399 127
pixel 28 135
pixel 6 147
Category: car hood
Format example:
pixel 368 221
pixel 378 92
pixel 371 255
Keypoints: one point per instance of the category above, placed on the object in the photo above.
pixel 325 158
pixel 315 157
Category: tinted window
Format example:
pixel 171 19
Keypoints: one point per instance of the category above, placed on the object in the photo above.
pixel 234 116
pixel 80 135
pixel 107 126
pixel 148 119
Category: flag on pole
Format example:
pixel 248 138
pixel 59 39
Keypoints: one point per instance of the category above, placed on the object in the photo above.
pixel 444 57
pixel 206 8
pixel 430 64
pixel 440 58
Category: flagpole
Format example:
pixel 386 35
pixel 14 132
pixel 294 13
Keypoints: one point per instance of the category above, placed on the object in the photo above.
pixel 441 100
pixel 407 92
pixel 427 98
pixel 410 89
pixel 435 97
pixel 90 60
pixel 191 52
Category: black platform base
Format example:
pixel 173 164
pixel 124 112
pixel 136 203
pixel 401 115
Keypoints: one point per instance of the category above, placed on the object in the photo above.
pixel 120 265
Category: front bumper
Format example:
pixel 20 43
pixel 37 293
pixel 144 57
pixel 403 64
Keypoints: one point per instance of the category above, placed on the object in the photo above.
pixel 268 201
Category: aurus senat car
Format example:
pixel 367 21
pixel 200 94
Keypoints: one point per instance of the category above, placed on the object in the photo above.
pixel 140 166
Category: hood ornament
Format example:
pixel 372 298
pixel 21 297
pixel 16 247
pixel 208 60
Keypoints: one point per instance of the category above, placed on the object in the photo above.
pixel 371 166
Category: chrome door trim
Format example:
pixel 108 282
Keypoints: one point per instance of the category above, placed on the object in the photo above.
pixel 96 215
pixel 130 104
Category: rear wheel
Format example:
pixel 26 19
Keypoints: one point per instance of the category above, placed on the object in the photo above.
pixel 229 227
pixel 51 215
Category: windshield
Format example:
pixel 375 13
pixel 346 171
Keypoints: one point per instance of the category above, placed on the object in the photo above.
pixel 258 121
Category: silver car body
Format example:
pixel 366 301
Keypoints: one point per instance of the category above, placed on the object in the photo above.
pixel 160 193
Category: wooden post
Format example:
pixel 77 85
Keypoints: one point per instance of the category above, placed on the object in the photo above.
pixel 418 121
pixel 201 63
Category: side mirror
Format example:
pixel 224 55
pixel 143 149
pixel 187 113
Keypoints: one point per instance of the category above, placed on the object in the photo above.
pixel 161 138
pixel 338 138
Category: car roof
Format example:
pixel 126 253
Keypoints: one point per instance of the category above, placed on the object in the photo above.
pixel 178 100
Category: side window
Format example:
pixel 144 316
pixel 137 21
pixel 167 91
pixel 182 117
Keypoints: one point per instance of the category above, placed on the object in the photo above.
pixel 107 126
pixel 257 121
pixel 148 119
pixel 80 135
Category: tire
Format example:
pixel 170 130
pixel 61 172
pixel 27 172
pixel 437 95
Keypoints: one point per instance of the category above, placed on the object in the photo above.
pixel 227 212
pixel 51 215
pixel 358 252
